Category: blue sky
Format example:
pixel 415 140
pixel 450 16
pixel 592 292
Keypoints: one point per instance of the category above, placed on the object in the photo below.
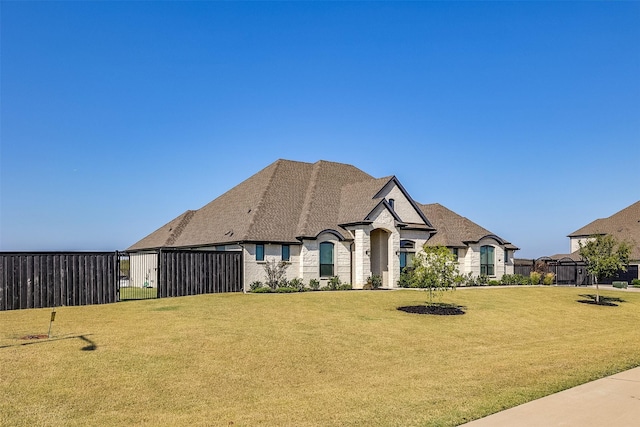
pixel 117 117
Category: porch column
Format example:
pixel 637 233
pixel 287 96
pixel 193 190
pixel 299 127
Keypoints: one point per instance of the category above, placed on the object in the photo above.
pixel 361 259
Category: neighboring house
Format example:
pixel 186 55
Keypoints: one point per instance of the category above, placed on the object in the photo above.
pixel 623 225
pixel 329 219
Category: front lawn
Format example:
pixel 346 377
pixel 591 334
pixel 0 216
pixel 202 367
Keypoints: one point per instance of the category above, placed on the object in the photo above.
pixel 307 359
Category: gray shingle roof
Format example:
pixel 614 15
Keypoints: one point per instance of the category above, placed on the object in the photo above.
pixel 623 225
pixel 454 230
pixel 285 200
pixel 289 200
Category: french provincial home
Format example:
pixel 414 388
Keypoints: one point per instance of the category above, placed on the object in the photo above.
pixel 329 219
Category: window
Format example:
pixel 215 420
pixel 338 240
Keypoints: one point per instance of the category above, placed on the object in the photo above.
pixel 407 244
pixel 392 203
pixel 220 248
pixel 285 253
pixel 259 252
pixel 406 259
pixel 455 252
pixel 506 256
pixel 487 260
pixel 326 259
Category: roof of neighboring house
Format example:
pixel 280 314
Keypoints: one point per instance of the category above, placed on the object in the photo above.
pixel 575 256
pixel 454 230
pixel 290 200
pixel 623 225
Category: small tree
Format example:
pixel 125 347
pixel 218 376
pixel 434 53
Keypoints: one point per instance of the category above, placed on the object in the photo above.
pixel 434 268
pixel 276 272
pixel 604 256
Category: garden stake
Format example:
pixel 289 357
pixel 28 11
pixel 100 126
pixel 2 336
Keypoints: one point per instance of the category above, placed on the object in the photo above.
pixel 53 317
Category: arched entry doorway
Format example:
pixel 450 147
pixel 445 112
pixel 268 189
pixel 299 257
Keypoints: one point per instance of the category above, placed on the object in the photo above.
pixel 380 254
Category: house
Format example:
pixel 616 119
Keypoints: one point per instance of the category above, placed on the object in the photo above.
pixel 623 226
pixel 329 219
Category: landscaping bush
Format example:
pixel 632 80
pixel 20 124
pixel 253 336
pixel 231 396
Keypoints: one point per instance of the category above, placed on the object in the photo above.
pixel 482 280
pixel 548 279
pixel 466 280
pixel 494 282
pixel 405 279
pixel 535 277
pixel 255 285
pixel 373 282
pixel 345 287
pixel 508 279
pixel 286 290
pixel 262 290
pixel 314 284
pixel 635 283
pixel 334 283
pixel 297 284
pixel 275 272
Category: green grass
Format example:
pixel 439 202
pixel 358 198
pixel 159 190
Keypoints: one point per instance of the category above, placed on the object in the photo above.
pixel 127 293
pixel 308 359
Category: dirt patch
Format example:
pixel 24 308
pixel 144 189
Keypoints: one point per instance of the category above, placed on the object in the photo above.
pixel 437 309
pixel 35 337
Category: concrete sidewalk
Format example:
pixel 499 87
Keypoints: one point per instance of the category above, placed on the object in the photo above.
pixel 612 401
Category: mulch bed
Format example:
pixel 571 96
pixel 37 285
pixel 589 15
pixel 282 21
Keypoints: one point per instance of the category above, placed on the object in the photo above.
pixel 440 310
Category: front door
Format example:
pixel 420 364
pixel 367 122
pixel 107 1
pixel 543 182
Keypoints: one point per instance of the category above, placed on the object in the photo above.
pixel 380 255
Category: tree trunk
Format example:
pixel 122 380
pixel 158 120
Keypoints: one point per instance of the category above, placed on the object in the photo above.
pixel 595 279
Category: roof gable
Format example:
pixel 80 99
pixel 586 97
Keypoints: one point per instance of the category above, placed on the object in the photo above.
pixel 404 205
pixel 624 225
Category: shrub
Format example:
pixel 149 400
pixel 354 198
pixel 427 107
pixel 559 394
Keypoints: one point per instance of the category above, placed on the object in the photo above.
pixel 374 282
pixel 275 271
pixel 334 283
pixel 524 280
pixel 297 284
pixel 262 290
pixel 507 279
pixel 482 280
pixel 494 282
pixel 285 290
pixel 635 283
pixel 469 280
pixel 404 281
pixel 535 277
pixel 284 283
pixel 548 279
pixel 255 285
pixel 345 287
pixel 314 284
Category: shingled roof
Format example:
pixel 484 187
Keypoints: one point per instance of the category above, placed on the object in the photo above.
pixel 290 200
pixel 454 230
pixel 282 202
pixel 623 225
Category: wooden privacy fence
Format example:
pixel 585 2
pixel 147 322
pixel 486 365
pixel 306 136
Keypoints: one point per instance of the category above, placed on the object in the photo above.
pixel 47 279
pixel 51 279
pixel 183 273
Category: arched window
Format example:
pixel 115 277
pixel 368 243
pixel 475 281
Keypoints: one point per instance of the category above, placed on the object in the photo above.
pixel 326 259
pixel 487 260
pixel 407 244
